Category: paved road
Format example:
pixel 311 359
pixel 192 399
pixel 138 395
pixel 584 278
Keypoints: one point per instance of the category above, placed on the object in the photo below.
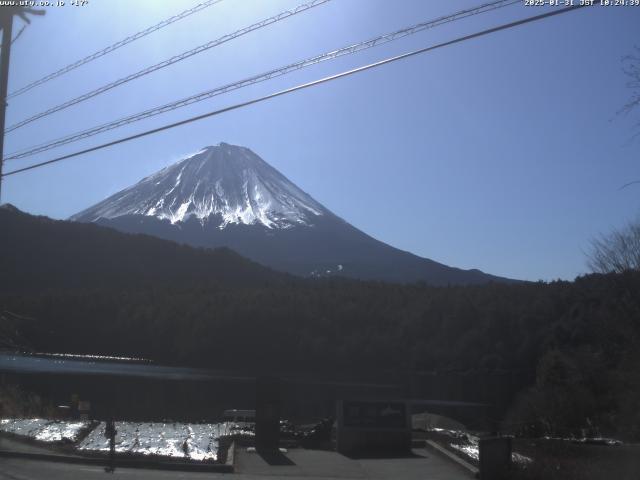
pixel 297 465
pixel 18 469
pixel 319 464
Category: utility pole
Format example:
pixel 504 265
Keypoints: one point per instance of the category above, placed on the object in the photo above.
pixel 7 27
pixel 6 23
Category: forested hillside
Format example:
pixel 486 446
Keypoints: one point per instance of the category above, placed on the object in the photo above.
pixel 39 254
pixel 576 342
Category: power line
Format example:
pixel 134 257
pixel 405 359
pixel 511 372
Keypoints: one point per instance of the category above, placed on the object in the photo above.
pixel 18 34
pixel 113 47
pixel 635 182
pixel 175 59
pixel 348 50
pixel 6 23
pixel 301 87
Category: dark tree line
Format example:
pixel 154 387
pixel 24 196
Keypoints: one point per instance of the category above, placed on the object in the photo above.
pixel 577 341
pixel 84 289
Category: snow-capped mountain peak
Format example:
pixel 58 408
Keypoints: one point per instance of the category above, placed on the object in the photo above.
pixel 227 196
pixel 224 183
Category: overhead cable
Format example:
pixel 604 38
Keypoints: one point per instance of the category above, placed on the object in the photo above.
pixel 277 72
pixel 166 63
pixel 113 47
pixel 301 87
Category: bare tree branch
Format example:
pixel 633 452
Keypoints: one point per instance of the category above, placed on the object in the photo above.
pixel 618 251
pixel 631 68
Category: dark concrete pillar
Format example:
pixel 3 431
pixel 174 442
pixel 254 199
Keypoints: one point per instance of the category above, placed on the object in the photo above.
pixel 267 413
pixel 495 458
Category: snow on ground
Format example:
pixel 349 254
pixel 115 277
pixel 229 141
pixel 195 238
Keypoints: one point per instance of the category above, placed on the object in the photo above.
pixel 469 450
pixel 90 357
pixel 469 445
pixel 182 440
pixel 43 429
pixel 179 440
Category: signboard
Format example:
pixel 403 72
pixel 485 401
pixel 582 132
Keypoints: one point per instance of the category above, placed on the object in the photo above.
pixel 373 426
pixel 374 414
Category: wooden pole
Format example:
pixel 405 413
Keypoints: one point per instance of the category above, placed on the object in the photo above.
pixel 7 26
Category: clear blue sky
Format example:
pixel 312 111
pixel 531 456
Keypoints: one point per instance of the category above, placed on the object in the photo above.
pixel 503 153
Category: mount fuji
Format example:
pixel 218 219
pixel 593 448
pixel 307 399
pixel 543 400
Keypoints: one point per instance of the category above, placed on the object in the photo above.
pixel 226 195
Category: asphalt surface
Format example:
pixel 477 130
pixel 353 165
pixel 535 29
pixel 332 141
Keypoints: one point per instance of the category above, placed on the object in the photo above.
pixel 19 469
pixel 13 445
pixel 295 464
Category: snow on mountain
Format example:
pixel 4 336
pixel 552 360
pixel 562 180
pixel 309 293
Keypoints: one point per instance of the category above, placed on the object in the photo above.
pixel 227 196
pixel 223 183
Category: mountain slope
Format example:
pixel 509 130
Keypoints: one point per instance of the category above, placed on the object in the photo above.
pixel 226 195
pixel 38 253
pixel 229 182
